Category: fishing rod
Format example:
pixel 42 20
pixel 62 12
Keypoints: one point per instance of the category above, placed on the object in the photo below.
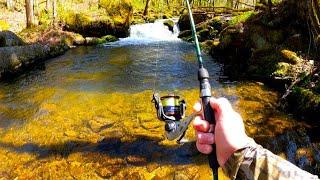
pixel 205 93
pixel 172 110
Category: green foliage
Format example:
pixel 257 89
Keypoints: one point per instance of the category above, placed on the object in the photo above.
pixel 283 70
pixel 241 18
pixel 44 18
pixel 116 8
pixel 4 25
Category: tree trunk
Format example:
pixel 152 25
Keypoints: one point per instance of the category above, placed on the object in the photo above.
pixel 307 12
pixel 54 13
pixel 29 13
pixel 145 12
pixel 270 6
pixel 230 3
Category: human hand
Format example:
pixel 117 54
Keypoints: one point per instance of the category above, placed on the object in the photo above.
pixel 229 133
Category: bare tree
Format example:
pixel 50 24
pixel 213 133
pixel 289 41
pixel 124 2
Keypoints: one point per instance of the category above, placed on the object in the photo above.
pixel 145 12
pixel 54 12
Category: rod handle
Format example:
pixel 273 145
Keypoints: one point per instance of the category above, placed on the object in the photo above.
pixel 209 116
pixel 205 94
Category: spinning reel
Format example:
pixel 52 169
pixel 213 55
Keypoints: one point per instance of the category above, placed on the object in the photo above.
pixel 171 110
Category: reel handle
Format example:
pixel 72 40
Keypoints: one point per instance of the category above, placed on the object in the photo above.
pixel 205 94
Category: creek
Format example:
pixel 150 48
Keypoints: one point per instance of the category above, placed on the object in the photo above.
pixel 88 113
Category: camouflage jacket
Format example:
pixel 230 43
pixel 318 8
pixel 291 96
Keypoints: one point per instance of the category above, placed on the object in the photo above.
pixel 255 162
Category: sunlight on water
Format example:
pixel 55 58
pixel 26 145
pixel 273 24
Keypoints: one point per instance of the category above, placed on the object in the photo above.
pixel 88 115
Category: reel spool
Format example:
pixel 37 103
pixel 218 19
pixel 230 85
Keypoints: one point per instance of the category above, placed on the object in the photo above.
pixel 169 107
pixel 172 110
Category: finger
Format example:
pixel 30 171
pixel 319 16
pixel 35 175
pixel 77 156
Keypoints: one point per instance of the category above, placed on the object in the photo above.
pixel 204 148
pixel 211 128
pixel 197 107
pixel 220 105
pixel 200 125
pixel 205 138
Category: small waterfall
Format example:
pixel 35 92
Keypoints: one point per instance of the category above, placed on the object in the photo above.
pixel 149 33
pixel 153 31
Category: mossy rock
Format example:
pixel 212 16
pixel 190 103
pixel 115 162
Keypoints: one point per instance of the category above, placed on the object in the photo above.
pixel 184 22
pixel 98 26
pixel 290 56
pixel 304 102
pixel 207 45
pixel 203 35
pixel 102 40
pixel 241 18
pixel 110 38
pixel 151 19
pixel 170 24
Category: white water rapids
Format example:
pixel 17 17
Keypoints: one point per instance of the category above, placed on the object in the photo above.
pixel 149 33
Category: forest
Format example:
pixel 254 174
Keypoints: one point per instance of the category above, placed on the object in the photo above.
pixel 77 78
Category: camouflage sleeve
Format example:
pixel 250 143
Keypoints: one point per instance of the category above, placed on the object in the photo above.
pixel 255 162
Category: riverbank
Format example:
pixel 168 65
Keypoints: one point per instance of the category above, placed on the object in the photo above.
pixel 272 47
pixel 18 55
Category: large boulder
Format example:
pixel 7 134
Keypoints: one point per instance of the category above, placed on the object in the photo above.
pixel 89 26
pixel 13 59
pixel 198 16
pixel 8 38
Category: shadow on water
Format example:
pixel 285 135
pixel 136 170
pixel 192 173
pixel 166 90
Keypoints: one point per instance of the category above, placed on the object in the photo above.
pixel 143 147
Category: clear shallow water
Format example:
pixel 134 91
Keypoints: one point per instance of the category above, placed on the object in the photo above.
pixel 87 114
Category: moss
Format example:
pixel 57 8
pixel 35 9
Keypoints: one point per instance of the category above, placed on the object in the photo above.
pixel 241 18
pixel 169 23
pixel 96 24
pixel 4 25
pixel 102 40
pixel 116 8
pixel 290 56
pixel 110 38
pixel 283 70
pixel 304 102
pixel 44 18
pixel 207 45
